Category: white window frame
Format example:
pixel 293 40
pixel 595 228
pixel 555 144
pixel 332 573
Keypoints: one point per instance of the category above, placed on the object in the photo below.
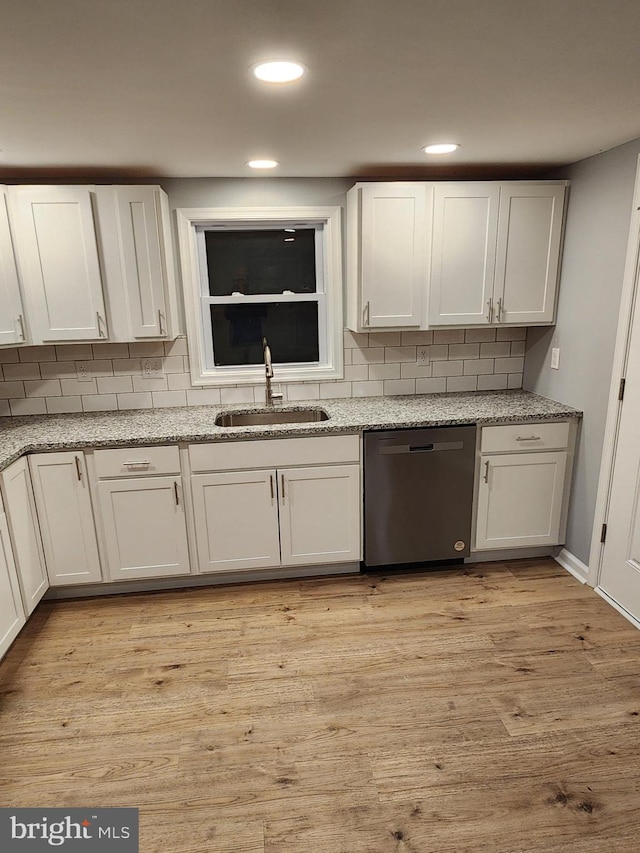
pixel 327 221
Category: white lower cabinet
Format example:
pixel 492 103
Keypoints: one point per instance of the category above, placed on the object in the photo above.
pixel 522 496
pixel 20 507
pixel 65 514
pixel 319 515
pixel 236 520
pixel 144 527
pixel 12 615
pixel 288 513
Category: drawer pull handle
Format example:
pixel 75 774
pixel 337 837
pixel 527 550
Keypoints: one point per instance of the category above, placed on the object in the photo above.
pixel 365 314
pixel 21 330
pixel 143 463
pixel 528 438
pixel 271 486
pixel 500 310
pixel 161 330
pixel 486 471
pixel 175 492
pixel 99 322
pixel 78 471
pixel 282 481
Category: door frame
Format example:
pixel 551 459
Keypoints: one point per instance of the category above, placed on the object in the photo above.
pixel 630 292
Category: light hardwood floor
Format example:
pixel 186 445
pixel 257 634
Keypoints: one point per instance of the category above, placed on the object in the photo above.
pixel 489 708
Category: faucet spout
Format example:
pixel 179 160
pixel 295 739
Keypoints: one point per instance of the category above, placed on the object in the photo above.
pixel 269 395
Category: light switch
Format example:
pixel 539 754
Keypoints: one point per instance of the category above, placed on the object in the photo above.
pixel 555 357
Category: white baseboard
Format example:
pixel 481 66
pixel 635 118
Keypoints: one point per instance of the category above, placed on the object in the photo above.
pixel 573 565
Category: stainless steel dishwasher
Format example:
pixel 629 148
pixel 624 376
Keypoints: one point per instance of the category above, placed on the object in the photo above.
pixel 418 492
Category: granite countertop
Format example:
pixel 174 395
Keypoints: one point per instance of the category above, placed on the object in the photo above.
pixel 161 426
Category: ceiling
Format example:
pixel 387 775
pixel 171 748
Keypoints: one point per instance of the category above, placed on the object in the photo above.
pixel 151 88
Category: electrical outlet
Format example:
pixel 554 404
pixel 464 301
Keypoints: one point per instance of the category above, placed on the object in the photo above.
pixel 83 371
pixel 555 358
pixel 423 355
pixel 152 368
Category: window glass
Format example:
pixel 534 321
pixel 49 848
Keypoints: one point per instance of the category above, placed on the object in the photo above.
pixel 259 262
pixel 290 327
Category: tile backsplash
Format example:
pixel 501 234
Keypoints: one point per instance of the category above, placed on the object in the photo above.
pixel 107 377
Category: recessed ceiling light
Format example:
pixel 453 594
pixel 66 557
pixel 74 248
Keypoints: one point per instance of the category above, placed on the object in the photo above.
pixel 263 164
pixel 278 72
pixel 441 148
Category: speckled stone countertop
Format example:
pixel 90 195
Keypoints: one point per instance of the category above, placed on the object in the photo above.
pixel 196 423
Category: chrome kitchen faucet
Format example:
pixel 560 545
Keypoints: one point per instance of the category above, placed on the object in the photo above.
pixel 269 396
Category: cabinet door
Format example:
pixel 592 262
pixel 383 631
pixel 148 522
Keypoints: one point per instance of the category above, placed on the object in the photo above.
pixel 236 520
pixel 320 514
pixel 528 253
pixel 12 616
pixel 520 500
pixel 21 513
pixel 66 520
pixel 144 527
pixel 58 253
pixel 465 222
pixel 12 330
pixel 143 266
pixel 394 234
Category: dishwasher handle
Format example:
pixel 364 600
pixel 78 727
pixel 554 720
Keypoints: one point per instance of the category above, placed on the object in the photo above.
pixel 436 447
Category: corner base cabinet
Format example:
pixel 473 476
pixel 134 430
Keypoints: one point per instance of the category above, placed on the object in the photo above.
pixel 22 518
pixel 522 492
pixel 63 500
pixel 12 615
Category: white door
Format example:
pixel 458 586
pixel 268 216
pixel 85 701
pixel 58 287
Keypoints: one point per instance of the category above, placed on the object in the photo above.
pixel 319 514
pixel 236 520
pixel 144 527
pixel 68 530
pixel 528 253
pixel 143 273
pixel 620 569
pixel 12 330
pixel 12 616
pixel 520 500
pixel 21 513
pixel 463 254
pixel 394 234
pixel 57 245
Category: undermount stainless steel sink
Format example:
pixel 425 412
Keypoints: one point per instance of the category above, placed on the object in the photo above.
pixel 273 416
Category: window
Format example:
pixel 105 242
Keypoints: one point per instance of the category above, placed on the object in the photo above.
pixel 250 274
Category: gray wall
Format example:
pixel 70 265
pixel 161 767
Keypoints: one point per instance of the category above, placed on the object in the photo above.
pixel 256 192
pixel 596 237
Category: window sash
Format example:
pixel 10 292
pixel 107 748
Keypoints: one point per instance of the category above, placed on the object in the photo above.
pixel 327 222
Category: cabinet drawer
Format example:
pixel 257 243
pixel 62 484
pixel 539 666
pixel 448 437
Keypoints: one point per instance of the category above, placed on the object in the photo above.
pixel 134 461
pixel 274 453
pixel 522 437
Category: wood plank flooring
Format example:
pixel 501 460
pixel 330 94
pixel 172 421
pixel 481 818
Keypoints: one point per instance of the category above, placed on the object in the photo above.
pixel 492 708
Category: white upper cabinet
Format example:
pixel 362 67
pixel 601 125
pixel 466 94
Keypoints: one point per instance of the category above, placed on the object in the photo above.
pixel 57 247
pixel 12 324
pixel 389 227
pixel 496 253
pixel 528 252
pixel 138 259
pixel 463 259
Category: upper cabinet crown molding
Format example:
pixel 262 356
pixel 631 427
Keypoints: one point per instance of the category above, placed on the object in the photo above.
pixel 424 255
pixel 96 262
